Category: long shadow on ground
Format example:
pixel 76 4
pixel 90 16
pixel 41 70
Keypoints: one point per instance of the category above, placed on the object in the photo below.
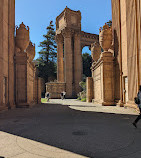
pixel 86 133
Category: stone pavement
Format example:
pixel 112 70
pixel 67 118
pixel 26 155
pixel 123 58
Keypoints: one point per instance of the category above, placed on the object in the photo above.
pixel 84 106
pixel 12 146
pixel 58 131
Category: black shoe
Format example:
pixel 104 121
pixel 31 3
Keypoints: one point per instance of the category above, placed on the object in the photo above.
pixel 134 124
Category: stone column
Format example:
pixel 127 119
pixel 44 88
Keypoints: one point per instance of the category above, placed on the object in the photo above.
pixel 11 45
pixel 68 57
pixel 1 54
pixel 77 63
pixel 108 78
pixel 89 88
pixel 60 62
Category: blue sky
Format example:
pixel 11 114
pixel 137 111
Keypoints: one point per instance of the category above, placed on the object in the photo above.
pixel 38 13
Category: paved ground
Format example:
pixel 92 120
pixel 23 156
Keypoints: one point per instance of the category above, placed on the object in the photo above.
pixel 58 131
pixel 84 106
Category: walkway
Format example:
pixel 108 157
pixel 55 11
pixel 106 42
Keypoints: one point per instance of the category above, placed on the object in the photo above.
pixel 58 131
pixel 84 106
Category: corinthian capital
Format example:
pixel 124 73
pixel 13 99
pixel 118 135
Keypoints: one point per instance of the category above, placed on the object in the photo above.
pixel 67 32
pixel 59 38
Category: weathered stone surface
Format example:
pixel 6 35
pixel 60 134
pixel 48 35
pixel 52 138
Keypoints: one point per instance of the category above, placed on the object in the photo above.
pixel 55 89
pixel 119 82
pixel 90 88
pixel 69 60
pixel 17 73
pixel 126 27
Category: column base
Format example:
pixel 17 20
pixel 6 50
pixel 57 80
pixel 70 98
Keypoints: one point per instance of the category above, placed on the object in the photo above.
pixel 120 103
pixel 108 104
pixel 22 105
pixel 3 108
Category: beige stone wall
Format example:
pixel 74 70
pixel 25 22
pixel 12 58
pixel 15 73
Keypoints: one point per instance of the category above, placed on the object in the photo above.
pixel 21 78
pixel 11 52
pixel 98 83
pixel 30 83
pixel 5 52
pixel 126 17
pixel 68 62
pixel 7 25
pixel 124 36
pixel 132 50
pixel 55 89
pixel 116 35
pixel 89 89
pixel 78 68
pixel 103 78
pixel 139 33
pixel 62 22
pixel 17 76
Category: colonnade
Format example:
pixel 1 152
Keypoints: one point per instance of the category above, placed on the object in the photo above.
pixel 69 60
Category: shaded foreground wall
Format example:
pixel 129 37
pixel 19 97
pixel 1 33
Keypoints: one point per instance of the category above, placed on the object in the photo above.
pixel 126 17
pixel 7 27
pixel 12 76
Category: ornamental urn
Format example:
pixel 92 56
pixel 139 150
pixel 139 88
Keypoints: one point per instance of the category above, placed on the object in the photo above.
pixel 95 51
pixel 105 37
pixel 31 51
pixel 22 37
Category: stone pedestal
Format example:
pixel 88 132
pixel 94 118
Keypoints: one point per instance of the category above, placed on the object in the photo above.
pixel 89 88
pixel 27 83
pixel 104 79
pixel 108 78
pixel 21 79
pixel 55 89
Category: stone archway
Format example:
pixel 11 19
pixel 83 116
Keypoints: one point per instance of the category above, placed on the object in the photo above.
pixel 70 41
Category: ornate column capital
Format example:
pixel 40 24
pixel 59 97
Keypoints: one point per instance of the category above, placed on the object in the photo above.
pixel 78 34
pixel 67 33
pixel 59 38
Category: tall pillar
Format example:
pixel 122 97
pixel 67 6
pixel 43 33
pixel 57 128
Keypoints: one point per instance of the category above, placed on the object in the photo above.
pixel 60 62
pixel 78 71
pixel 68 55
pixel 11 45
pixel 1 53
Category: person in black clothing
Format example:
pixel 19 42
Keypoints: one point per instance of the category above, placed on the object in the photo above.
pixel 62 96
pixel 47 96
pixel 139 105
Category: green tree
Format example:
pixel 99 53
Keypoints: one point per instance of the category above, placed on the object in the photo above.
pixel 87 61
pixel 48 55
pixel 109 23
